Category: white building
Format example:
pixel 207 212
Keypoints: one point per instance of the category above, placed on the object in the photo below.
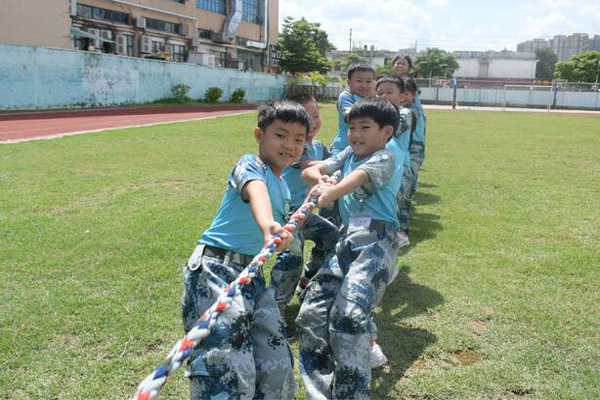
pixel 495 64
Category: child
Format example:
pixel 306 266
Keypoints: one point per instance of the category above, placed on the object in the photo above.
pixel 246 354
pixel 417 142
pixel 392 89
pixel 334 318
pixel 361 79
pixel 403 68
pixel 287 271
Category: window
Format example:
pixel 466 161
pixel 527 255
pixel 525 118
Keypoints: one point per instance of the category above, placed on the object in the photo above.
pixel 164 26
pixel 178 1
pixel 251 60
pixel 216 6
pixel 178 52
pixel 250 12
pixel 129 44
pixel 158 47
pixel 240 41
pixel 204 34
pixel 102 14
pixel 220 58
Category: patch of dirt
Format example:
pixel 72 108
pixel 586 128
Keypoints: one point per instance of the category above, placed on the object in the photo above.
pixel 467 357
pixel 419 364
pixel 480 324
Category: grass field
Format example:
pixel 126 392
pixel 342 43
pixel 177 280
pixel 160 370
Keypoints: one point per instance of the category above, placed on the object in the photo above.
pixel 498 297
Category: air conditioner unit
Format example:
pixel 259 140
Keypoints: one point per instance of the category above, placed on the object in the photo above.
pixel 275 63
pixel 206 59
pixel 106 35
pixel 140 22
pixel 241 65
pixel 95 42
pixel 145 45
pixel 121 44
pixel 195 42
pixel 73 8
pixel 221 37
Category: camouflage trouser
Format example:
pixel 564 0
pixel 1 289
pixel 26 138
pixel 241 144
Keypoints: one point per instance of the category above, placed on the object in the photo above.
pixel 246 355
pixel 417 155
pixel 404 198
pixel 287 271
pixel 335 317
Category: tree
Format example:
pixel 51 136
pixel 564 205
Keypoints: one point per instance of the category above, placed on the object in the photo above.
pixel 387 69
pixel 436 62
pixel 545 65
pixel 348 60
pixel 303 47
pixel 583 67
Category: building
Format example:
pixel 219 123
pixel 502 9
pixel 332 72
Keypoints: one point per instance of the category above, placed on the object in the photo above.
pixel 566 47
pixel 530 46
pixel 376 58
pixel 594 43
pixel 495 64
pixel 239 34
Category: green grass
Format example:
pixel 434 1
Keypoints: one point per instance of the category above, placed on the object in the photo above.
pixel 498 297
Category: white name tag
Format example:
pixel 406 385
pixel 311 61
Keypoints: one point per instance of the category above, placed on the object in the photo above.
pixel 359 221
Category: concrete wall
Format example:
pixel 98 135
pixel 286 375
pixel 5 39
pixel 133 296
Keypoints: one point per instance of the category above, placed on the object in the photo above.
pixel 40 78
pixel 514 98
pixel 45 23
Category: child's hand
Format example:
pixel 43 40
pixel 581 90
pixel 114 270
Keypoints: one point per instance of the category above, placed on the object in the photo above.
pixel 275 229
pixel 316 191
pixel 324 196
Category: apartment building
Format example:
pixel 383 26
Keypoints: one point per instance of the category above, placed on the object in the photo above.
pixel 530 46
pixel 239 34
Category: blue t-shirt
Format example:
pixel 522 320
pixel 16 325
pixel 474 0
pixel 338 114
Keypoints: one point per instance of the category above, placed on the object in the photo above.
pixel 293 174
pixel 419 133
pixel 344 104
pixel 379 193
pixel 234 227
pixel 400 142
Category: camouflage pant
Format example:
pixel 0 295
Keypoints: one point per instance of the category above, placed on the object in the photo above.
pixel 417 155
pixel 287 271
pixel 246 355
pixel 404 198
pixel 335 317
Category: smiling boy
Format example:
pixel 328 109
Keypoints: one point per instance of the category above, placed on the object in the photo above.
pixel 334 319
pixel 246 354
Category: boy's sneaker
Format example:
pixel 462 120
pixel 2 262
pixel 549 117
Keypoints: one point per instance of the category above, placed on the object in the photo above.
pixel 403 241
pixel 394 275
pixel 378 359
pixel 290 330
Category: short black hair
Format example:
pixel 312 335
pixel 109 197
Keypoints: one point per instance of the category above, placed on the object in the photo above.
pixel 399 82
pixel 360 67
pixel 411 85
pixel 303 98
pixel 379 110
pixel 286 111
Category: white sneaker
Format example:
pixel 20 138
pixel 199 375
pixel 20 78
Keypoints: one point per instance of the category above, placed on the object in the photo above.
pixel 403 241
pixel 378 359
pixel 394 275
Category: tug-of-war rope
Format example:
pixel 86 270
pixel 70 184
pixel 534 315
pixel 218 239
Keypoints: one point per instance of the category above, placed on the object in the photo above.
pixel 151 386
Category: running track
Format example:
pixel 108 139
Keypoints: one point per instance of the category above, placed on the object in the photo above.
pixel 37 125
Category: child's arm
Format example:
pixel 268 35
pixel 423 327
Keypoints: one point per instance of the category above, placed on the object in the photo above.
pixel 350 183
pixel 260 204
pixel 322 170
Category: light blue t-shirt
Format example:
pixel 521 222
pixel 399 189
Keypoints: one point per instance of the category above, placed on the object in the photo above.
pixel 344 104
pixel 400 142
pixel 379 193
pixel 293 174
pixel 419 133
pixel 234 227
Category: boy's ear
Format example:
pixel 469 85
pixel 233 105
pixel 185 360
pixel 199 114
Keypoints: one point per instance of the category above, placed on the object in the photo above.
pixel 388 131
pixel 258 133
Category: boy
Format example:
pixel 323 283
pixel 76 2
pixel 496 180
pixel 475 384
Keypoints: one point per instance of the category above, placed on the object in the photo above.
pixel 287 271
pixel 333 322
pixel 392 89
pixel 361 82
pixel 246 354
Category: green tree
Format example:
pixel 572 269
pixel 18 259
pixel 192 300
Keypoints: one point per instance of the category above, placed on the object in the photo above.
pixel 583 67
pixel 303 46
pixel 436 62
pixel 544 68
pixel 348 60
pixel 387 69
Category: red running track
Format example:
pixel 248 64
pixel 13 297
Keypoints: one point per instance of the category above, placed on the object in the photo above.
pixel 37 125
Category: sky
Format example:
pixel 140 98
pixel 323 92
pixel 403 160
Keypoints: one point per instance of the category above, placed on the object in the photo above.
pixel 448 24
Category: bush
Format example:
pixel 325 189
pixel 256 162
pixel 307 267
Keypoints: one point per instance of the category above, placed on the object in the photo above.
pixel 180 92
pixel 213 94
pixel 237 96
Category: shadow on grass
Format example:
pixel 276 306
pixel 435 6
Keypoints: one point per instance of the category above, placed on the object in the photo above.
pixel 403 344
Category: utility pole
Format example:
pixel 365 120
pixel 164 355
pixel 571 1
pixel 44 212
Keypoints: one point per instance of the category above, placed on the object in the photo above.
pixel 350 40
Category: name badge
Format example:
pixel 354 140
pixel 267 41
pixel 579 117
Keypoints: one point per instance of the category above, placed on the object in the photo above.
pixel 359 221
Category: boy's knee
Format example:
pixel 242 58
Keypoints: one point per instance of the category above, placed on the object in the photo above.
pixel 347 316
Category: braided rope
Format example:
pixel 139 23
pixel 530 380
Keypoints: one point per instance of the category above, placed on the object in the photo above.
pixel 153 383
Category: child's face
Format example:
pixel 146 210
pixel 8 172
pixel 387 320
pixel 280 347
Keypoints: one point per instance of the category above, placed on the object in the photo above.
pixel 366 137
pixel 391 92
pixel 401 66
pixel 362 83
pixel 409 98
pixel 280 144
pixel 313 112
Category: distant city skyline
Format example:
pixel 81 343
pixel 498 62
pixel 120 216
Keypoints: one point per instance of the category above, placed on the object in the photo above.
pixel 447 24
